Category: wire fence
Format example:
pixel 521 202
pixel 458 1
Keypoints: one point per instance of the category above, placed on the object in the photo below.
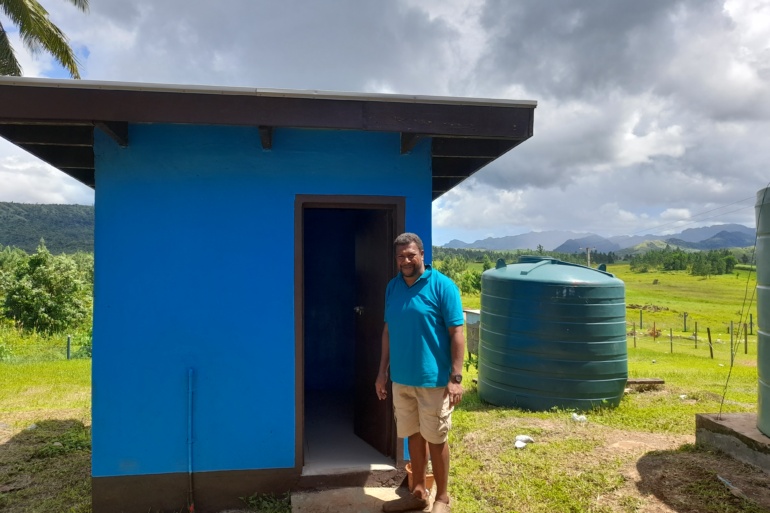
pixel 34 348
pixel 723 341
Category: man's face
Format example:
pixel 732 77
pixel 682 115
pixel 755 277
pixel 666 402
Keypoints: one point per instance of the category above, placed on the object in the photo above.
pixel 409 259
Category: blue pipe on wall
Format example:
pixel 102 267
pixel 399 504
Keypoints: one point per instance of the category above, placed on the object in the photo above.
pixel 190 499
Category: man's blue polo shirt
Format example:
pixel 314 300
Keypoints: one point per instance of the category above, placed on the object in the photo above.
pixel 418 319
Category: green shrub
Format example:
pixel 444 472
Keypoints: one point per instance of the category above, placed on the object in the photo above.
pixel 46 293
pixel 5 352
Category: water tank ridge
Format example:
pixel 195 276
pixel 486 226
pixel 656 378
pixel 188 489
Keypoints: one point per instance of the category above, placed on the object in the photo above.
pixel 552 334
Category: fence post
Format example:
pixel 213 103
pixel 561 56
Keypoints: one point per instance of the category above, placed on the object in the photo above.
pixel 745 340
pixel 69 344
pixel 654 332
pixel 634 335
pixel 640 319
pixel 751 322
pixel 696 334
pixel 732 341
pixel 711 348
pixel 685 322
pixel 671 338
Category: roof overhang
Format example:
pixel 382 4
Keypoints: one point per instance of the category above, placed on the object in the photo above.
pixel 55 119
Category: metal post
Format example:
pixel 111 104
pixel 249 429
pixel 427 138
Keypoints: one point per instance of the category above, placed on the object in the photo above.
pixel 641 327
pixel 751 323
pixel 685 322
pixel 654 332
pixel 711 348
pixel 696 334
pixel 69 345
pixel 634 335
pixel 671 338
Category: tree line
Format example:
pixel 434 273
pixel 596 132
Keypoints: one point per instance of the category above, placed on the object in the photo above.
pixel 698 263
pixel 454 262
pixel 46 293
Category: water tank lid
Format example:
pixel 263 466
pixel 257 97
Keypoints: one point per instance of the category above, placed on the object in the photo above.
pixel 533 259
pixel 543 268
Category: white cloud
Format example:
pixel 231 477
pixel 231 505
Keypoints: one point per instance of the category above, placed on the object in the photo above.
pixel 675 214
pixel 647 110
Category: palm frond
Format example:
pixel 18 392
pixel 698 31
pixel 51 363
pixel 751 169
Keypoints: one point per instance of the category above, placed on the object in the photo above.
pixel 9 65
pixel 39 33
pixel 80 4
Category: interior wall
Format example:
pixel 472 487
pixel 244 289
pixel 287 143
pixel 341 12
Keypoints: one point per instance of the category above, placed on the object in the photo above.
pixel 330 296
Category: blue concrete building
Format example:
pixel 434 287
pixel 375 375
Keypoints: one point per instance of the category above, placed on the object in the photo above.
pixel 243 243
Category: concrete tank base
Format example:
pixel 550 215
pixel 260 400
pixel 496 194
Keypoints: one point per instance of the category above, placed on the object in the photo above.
pixel 735 434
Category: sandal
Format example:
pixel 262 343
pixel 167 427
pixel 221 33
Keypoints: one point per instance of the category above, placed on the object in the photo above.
pixel 440 507
pixel 408 503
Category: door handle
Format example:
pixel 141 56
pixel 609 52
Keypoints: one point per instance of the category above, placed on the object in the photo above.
pixel 359 310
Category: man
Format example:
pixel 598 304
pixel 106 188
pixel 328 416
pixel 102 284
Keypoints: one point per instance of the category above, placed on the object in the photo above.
pixel 423 345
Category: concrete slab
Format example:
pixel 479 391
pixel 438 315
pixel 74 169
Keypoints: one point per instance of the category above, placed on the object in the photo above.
pixel 345 500
pixel 735 434
pixel 340 500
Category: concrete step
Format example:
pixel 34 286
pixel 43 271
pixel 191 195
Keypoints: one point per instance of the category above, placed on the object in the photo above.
pixel 345 500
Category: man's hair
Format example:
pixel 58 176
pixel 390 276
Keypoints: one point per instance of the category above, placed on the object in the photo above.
pixel 407 238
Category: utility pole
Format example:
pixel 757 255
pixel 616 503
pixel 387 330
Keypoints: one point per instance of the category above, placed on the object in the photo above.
pixel 588 255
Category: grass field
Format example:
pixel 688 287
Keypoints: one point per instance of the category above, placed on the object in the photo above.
pixel 639 457
pixel 45 437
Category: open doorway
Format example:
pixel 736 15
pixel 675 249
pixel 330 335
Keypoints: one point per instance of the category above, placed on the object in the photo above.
pixel 346 262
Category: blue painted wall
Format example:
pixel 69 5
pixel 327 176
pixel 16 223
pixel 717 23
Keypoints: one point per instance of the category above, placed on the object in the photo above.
pixel 195 269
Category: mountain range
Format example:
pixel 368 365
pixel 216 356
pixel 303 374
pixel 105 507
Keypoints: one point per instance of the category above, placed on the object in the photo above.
pixel 704 238
pixel 70 228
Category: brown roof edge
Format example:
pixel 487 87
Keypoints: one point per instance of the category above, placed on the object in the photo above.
pixel 47 117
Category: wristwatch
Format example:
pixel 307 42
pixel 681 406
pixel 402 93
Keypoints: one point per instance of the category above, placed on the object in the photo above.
pixel 456 378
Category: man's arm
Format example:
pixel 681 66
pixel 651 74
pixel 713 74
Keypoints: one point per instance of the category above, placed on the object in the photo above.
pixel 457 343
pixel 381 384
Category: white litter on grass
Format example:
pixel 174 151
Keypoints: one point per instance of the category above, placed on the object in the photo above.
pixel 683 396
pixel 524 438
pixel 733 489
pixel 519 444
pixel 32 427
pixel 579 418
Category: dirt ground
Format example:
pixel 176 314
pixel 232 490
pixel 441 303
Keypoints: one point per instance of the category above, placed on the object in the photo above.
pixel 663 473
pixel 659 476
pixel 666 480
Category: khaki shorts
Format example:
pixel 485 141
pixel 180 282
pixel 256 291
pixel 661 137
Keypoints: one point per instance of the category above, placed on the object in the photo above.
pixel 422 410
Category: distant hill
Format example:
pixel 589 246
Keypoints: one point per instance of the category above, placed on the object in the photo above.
pixel 649 245
pixel 723 239
pixel 628 241
pixel 65 228
pixel 595 242
pixel 548 239
pixel 718 236
pixel 457 244
pixel 701 234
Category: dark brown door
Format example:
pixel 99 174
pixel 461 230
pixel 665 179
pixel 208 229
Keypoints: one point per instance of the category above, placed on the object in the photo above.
pixel 375 266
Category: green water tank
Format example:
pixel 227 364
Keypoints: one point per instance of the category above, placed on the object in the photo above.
pixel 763 310
pixel 552 334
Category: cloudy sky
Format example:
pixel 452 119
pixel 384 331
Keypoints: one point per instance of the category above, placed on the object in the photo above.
pixel 653 116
